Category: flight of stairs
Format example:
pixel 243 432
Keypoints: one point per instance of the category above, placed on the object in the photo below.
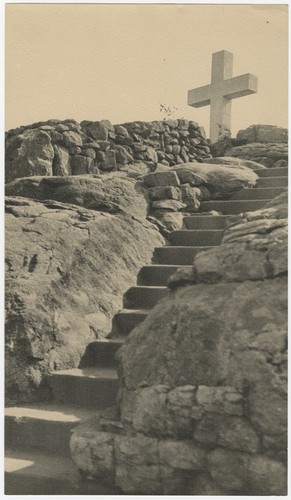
pixel 37 435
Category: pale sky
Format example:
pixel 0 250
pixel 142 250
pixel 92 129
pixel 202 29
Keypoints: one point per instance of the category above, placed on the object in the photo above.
pixel 120 62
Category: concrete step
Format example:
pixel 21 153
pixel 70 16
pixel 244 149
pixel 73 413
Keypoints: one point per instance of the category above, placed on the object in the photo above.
pixel 257 193
pixel 86 387
pixel 126 320
pixel 201 237
pixel 232 206
pixel 33 473
pixel 44 426
pixel 144 297
pixel 156 274
pixel 181 255
pixel 101 353
pixel 272 182
pixel 273 172
pixel 205 221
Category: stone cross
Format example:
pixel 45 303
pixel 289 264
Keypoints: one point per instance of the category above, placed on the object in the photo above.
pixel 221 91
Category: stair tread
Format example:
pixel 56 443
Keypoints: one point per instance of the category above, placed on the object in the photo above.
pixel 30 462
pixel 49 411
pixel 92 372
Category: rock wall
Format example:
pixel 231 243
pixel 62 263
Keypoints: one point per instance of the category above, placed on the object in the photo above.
pixel 202 406
pixel 60 295
pixel 66 147
pixel 178 191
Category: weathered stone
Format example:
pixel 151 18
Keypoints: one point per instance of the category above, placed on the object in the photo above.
pixel 172 221
pixel 82 165
pixel 242 472
pixel 152 155
pixel 139 479
pixel 263 133
pixel 123 156
pixel 28 154
pixel 150 413
pixel 93 452
pixel 221 180
pixel 136 450
pixel 120 130
pixel 225 400
pixel 162 192
pixel 182 455
pixel 90 152
pixel 227 431
pixel 167 178
pixel 72 139
pixel 256 150
pixel 228 160
pixel 172 205
pixel 109 161
pixel 60 127
pixel 61 161
pixel 99 130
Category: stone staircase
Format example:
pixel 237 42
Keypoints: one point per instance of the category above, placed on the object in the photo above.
pixel 37 435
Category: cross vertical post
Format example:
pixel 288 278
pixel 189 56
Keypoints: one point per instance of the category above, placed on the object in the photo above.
pixel 221 91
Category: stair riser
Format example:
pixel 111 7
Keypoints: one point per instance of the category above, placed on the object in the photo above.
pixel 85 392
pixel 42 435
pixel 195 237
pixel 257 194
pixel 143 297
pixel 156 275
pixel 272 182
pixel 233 207
pixel 123 324
pixel 273 172
pixel 205 222
pixel 101 354
pixel 17 484
pixel 177 256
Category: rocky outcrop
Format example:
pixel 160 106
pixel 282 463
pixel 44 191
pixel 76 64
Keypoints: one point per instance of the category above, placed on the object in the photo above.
pixel 113 192
pixel 60 295
pixel 270 155
pixel 263 133
pixel 66 147
pixel 182 188
pixel 202 404
pixel 238 162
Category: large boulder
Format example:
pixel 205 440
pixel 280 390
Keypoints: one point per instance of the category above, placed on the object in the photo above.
pixel 114 193
pixel 29 153
pixel 221 180
pixel 66 271
pixel 269 154
pixel 263 133
pixel 231 161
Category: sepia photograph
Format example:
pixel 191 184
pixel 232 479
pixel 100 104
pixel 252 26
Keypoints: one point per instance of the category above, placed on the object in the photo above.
pixel 146 219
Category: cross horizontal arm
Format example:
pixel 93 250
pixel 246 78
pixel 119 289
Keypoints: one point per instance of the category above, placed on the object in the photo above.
pixel 199 97
pixel 239 86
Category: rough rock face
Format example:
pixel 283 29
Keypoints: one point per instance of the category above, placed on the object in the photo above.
pixel 29 153
pixel 59 294
pixel 202 407
pixel 231 161
pixel 270 155
pixel 183 187
pixel 113 193
pixel 66 147
pixel 221 180
pixel 263 133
